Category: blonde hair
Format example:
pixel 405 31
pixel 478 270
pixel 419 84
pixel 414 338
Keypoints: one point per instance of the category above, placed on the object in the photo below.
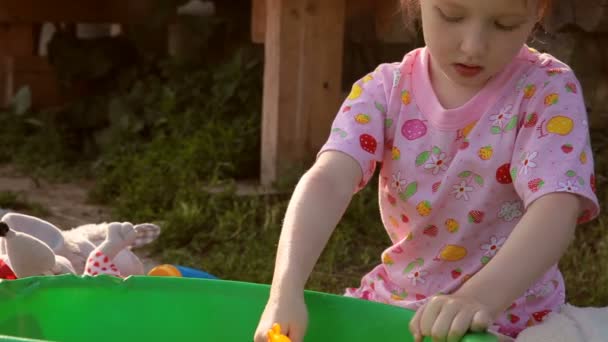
pixel 411 11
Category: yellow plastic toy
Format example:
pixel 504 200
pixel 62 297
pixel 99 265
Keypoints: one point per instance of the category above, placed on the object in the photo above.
pixel 274 334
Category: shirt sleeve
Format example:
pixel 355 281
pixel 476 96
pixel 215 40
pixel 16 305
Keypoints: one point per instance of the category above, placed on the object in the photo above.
pixel 553 148
pixel 358 129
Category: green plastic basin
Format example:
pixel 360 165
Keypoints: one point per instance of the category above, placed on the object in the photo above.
pixel 70 308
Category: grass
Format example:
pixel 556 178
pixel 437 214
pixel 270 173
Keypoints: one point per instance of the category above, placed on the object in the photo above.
pixel 17 202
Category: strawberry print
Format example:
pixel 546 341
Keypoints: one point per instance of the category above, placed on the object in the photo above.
pixel 464 145
pixel 529 91
pixel 567 148
pixel 551 99
pixel 431 230
pixel 414 129
pixel 513 318
pixel 503 175
pixel 452 225
pixel 571 88
pixel 476 216
pixel 456 273
pixel 485 153
pixel 368 143
pixel 531 120
pixel 540 316
pixel 406 97
pixel 536 184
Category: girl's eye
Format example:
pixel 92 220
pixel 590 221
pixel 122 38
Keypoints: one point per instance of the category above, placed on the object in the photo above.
pixel 449 19
pixel 506 27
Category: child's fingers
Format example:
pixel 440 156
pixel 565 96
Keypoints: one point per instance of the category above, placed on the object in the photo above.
pixel 481 321
pixel 415 324
pixel 443 321
pixel 429 316
pixel 460 325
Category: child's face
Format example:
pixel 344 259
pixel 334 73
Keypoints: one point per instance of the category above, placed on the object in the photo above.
pixel 472 40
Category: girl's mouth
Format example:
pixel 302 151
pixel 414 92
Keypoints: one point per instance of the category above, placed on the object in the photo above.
pixel 467 70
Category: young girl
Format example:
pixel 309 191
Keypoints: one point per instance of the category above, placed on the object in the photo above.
pixel 486 170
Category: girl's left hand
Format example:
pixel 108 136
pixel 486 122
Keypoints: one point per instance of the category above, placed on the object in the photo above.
pixel 449 318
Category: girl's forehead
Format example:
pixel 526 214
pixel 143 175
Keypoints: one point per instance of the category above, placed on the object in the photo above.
pixel 494 7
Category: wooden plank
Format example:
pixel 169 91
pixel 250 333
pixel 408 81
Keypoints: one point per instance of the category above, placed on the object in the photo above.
pixel 37 11
pixel 302 81
pixel 17 40
pixel 390 23
pixel 592 15
pixel 258 21
pixel 32 71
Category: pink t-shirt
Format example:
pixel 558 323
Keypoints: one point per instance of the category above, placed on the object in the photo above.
pixel 454 183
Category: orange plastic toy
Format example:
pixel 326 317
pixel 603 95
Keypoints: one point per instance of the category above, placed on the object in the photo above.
pixel 274 334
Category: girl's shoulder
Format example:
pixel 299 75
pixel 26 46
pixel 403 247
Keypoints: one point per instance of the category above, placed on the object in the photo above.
pixel 396 70
pixel 543 66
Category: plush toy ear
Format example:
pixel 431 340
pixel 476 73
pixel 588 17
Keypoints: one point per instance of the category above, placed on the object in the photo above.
pixel 62 266
pixel 146 233
pixel 28 256
pixel 35 227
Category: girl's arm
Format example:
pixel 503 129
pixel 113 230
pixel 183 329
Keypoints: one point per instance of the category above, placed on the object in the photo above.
pixel 537 242
pixel 317 204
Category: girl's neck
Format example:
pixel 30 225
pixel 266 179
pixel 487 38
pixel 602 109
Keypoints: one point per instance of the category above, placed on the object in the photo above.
pixel 449 94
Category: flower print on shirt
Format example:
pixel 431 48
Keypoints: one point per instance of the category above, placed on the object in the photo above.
pixel 502 118
pixel 434 160
pixel 511 210
pixel 398 183
pixel 503 121
pixel 417 277
pixel 437 163
pixel 541 290
pixel 414 271
pixel 494 245
pixel 462 190
pixel 396 77
pixel 568 186
pixel 527 162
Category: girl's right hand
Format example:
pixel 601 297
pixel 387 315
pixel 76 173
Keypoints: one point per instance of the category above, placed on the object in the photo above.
pixel 290 312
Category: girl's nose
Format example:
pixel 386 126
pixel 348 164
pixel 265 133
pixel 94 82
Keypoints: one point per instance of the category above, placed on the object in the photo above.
pixel 474 43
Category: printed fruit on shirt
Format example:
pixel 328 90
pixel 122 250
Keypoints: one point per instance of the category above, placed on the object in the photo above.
pixel 560 125
pixel 405 97
pixel 368 143
pixel 451 225
pixel 503 174
pixel 362 119
pixel 424 208
pixel 452 253
pixel 413 129
pixel 529 91
pixel 356 92
pixel 485 153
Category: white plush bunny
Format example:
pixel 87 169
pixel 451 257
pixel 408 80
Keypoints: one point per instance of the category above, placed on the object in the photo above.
pixel 570 324
pixel 37 247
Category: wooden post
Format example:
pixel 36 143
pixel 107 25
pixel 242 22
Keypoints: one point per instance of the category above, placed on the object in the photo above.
pixel 258 21
pixel 302 81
